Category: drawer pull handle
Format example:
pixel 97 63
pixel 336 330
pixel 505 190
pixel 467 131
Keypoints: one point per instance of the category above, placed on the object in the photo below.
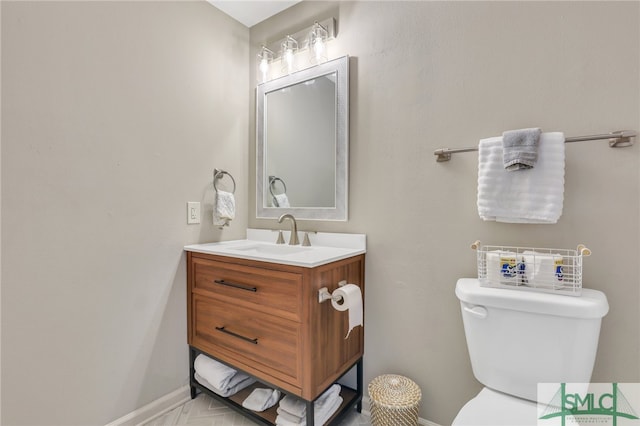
pixel 239 336
pixel 234 285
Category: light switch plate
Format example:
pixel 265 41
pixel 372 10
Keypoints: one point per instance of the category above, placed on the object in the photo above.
pixel 193 212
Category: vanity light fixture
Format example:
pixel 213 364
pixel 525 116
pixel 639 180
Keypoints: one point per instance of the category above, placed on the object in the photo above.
pixel 265 57
pixel 318 44
pixel 289 49
pixel 314 38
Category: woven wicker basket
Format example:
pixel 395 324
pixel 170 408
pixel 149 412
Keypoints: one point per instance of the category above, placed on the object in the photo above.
pixel 395 401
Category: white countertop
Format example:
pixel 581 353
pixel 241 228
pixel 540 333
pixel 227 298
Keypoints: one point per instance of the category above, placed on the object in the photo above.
pixel 260 245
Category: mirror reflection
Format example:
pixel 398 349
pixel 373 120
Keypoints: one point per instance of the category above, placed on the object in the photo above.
pixel 302 144
pixel 300 157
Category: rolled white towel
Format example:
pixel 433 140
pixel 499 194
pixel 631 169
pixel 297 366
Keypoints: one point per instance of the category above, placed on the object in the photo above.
pixel 214 372
pixel 284 415
pixel 323 408
pixel 233 387
pixel 293 405
pixel 320 415
pixel 261 399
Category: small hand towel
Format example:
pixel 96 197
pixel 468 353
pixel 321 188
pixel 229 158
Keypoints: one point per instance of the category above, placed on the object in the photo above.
pixel 520 148
pixel 225 209
pixel 233 388
pixel 261 399
pixel 282 200
pixel 529 196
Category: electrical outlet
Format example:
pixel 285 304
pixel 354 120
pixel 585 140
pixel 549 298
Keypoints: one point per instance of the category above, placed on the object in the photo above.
pixel 193 212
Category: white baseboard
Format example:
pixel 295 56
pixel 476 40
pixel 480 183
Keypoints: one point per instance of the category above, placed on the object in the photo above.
pixel 155 408
pixel 178 397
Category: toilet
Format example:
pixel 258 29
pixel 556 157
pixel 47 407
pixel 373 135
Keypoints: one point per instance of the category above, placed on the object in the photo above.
pixel 517 339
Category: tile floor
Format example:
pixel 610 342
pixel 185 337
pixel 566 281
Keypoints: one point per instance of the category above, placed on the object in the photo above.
pixel 205 411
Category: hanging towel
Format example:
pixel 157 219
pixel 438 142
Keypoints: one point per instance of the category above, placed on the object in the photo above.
pixel 529 196
pixel 225 209
pixel 282 200
pixel 520 148
pixel 261 399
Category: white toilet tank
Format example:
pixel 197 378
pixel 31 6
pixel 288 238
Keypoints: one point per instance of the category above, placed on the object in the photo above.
pixel 517 339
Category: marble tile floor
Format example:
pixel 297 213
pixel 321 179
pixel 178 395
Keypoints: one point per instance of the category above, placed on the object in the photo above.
pixel 206 411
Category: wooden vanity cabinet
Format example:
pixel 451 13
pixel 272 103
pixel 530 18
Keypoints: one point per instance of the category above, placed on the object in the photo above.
pixel 265 319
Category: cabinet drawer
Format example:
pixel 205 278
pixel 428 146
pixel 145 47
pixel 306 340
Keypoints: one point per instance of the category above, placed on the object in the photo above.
pixel 261 342
pixel 270 291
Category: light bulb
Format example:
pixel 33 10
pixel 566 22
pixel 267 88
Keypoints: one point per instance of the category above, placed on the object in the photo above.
pixel 317 44
pixel 264 57
pixel 289 48
pixel 318 49
pixel 264 68
pixel 288 57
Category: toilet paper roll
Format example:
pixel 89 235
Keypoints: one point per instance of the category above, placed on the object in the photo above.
pixel 349 298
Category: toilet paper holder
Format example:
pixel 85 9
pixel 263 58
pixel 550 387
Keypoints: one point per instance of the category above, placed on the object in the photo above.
pixel 324 295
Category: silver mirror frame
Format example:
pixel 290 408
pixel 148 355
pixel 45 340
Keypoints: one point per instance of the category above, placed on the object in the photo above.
pixel 339 66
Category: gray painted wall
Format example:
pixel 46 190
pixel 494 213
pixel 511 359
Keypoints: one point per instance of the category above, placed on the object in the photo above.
pixel 114 115
pixel 426 75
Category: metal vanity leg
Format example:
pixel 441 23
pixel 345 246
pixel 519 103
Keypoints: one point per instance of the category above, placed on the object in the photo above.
pixel 192 371
pixel 310 413
pixel 360 389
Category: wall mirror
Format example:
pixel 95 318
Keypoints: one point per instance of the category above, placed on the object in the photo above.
pixel 302 143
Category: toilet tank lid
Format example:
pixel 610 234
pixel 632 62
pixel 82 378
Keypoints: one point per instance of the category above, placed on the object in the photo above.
pixel 591 304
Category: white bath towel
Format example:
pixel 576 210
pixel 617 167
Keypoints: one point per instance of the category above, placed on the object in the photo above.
pixel 527 196
pixel 323 408
pixel 233 387
pixel 543 270
pixel 282 200
pixel 261 399
pixel 225 209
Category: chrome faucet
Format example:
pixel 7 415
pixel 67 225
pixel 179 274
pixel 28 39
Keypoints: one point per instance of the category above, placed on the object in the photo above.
pixel 293 241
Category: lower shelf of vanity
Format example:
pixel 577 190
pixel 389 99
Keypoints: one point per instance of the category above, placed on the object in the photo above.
pixel 350 398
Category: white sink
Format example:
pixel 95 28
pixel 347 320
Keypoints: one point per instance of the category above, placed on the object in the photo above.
pixel 259 245
pixel 268 249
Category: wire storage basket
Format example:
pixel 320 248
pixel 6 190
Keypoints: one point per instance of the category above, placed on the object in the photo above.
pixel 557 271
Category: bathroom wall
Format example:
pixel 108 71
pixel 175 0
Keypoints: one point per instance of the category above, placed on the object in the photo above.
pixel 114 115
pixel 426 75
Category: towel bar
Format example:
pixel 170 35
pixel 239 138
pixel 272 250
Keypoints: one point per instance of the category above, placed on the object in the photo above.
pixel 619 139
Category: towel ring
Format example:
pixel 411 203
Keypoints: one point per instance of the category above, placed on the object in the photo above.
pixel 272 181
pixel 218 174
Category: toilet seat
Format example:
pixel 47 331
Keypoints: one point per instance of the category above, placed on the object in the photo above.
pixel 492 408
